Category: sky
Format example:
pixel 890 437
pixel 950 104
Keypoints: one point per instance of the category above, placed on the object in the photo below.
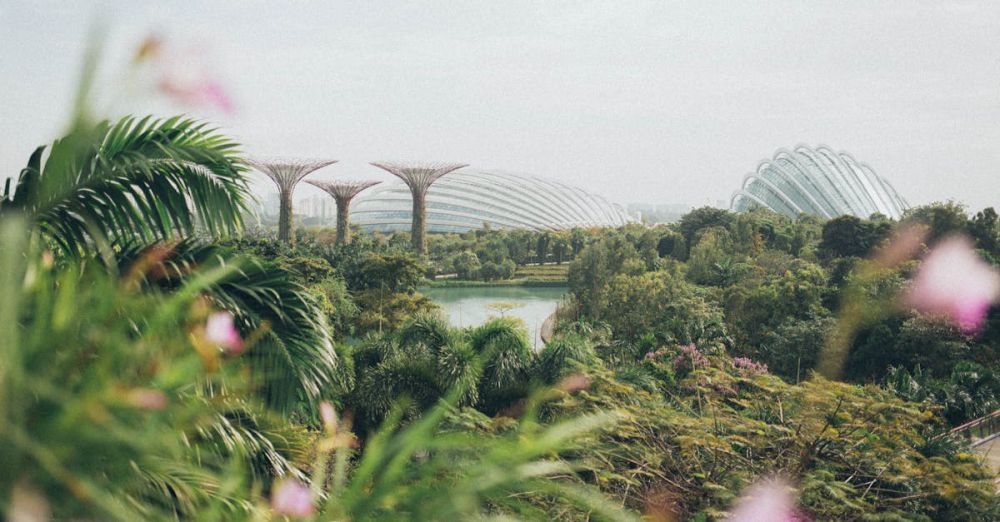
pixel 649 102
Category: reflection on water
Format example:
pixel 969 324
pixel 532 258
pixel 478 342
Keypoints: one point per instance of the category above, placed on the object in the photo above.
pixel 471 306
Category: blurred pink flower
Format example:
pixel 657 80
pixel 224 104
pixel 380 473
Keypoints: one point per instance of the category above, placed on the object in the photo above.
pixel 769 500
pixel 954 282
pixel 292 499
pixel 328 415
pixel 220 330
pixel 147 399
pixel 184 75
pixel 574 383
pixel 197 92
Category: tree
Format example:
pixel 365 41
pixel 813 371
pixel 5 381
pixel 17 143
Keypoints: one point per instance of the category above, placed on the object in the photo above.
pixel 756 307
pixel 906 342
pixel 542 249
pixel 293 360
pixel 390 271
pixel 594 267
pixel 792 350
pixel 560 246
pixel 661 304
pixel 466 265
pixel 489 367
pixel 941 219
pixel 701 218
pixel 577 240
pixel 671 244
pixel 848 236
pixel 713 248
pixel 985 229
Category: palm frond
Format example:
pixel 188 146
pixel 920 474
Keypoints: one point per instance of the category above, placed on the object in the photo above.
pixel 292 358
pixel 508 359
pixel 136 180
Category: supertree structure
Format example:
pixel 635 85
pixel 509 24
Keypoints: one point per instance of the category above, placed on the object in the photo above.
pixel 419 177
pixel 343 191
pixel 286 174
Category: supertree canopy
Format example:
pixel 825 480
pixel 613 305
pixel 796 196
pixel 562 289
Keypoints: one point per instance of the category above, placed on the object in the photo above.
pixel 286 174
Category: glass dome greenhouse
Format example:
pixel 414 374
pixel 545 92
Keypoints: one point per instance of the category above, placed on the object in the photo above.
pixel 471 198
pixel 820 182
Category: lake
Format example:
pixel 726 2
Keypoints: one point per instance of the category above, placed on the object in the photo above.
pixel 469 306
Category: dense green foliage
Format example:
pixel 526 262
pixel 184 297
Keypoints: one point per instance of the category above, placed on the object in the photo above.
pixel 771 288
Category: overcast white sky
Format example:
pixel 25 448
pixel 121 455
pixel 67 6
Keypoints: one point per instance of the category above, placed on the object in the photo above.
pixel 665 102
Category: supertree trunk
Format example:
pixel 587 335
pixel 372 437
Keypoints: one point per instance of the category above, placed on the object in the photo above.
pixel 419 177
pixel 343 221
pixel 419 227
pixel 286 220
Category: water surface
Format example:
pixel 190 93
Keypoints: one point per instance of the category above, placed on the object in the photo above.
pixel 471 306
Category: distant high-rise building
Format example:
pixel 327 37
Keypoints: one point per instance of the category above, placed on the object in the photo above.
pixel 271 204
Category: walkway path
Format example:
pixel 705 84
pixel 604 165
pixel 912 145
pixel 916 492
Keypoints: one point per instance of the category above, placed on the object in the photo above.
pixel 548 328
pixel 983 435
pixel 991 452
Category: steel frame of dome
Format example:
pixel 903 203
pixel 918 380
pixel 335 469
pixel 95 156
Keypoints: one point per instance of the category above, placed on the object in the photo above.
pixel 818 181
pixel 503 200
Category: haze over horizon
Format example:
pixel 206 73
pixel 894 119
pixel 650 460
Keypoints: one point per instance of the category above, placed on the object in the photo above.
pixel 652 102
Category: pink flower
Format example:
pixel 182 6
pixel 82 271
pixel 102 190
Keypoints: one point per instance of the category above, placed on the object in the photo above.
pixel 748 367
pixel 197 92
pixel 219 329
pixel 291 498
pixel 690 355
pixel 147 399
pixel 27 504
pixel 954 282
pixel 769 500
pixel 574 383
pixel 183 74
pixel 328 415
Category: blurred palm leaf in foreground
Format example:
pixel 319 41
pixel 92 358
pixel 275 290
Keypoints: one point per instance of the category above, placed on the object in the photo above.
pixel 132 181
pixel 292 358
pixel 100 392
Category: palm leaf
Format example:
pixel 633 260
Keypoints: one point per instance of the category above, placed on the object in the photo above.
pixel 293 358
pixel 136 180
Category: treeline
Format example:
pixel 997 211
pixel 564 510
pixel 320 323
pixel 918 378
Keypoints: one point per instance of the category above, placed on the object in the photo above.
pixel 491 255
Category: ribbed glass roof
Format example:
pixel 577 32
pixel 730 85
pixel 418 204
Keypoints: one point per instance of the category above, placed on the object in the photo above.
pixel 818 181
pixel 468 198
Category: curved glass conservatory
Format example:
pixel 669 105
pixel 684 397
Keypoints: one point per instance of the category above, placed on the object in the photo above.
pixel 818 181
pixel 470 198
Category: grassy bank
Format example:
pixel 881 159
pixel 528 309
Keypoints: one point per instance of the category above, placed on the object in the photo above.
pixel 527 282
pixel 532 275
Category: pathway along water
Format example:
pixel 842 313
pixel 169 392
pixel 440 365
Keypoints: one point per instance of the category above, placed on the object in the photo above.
pixel 471 306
